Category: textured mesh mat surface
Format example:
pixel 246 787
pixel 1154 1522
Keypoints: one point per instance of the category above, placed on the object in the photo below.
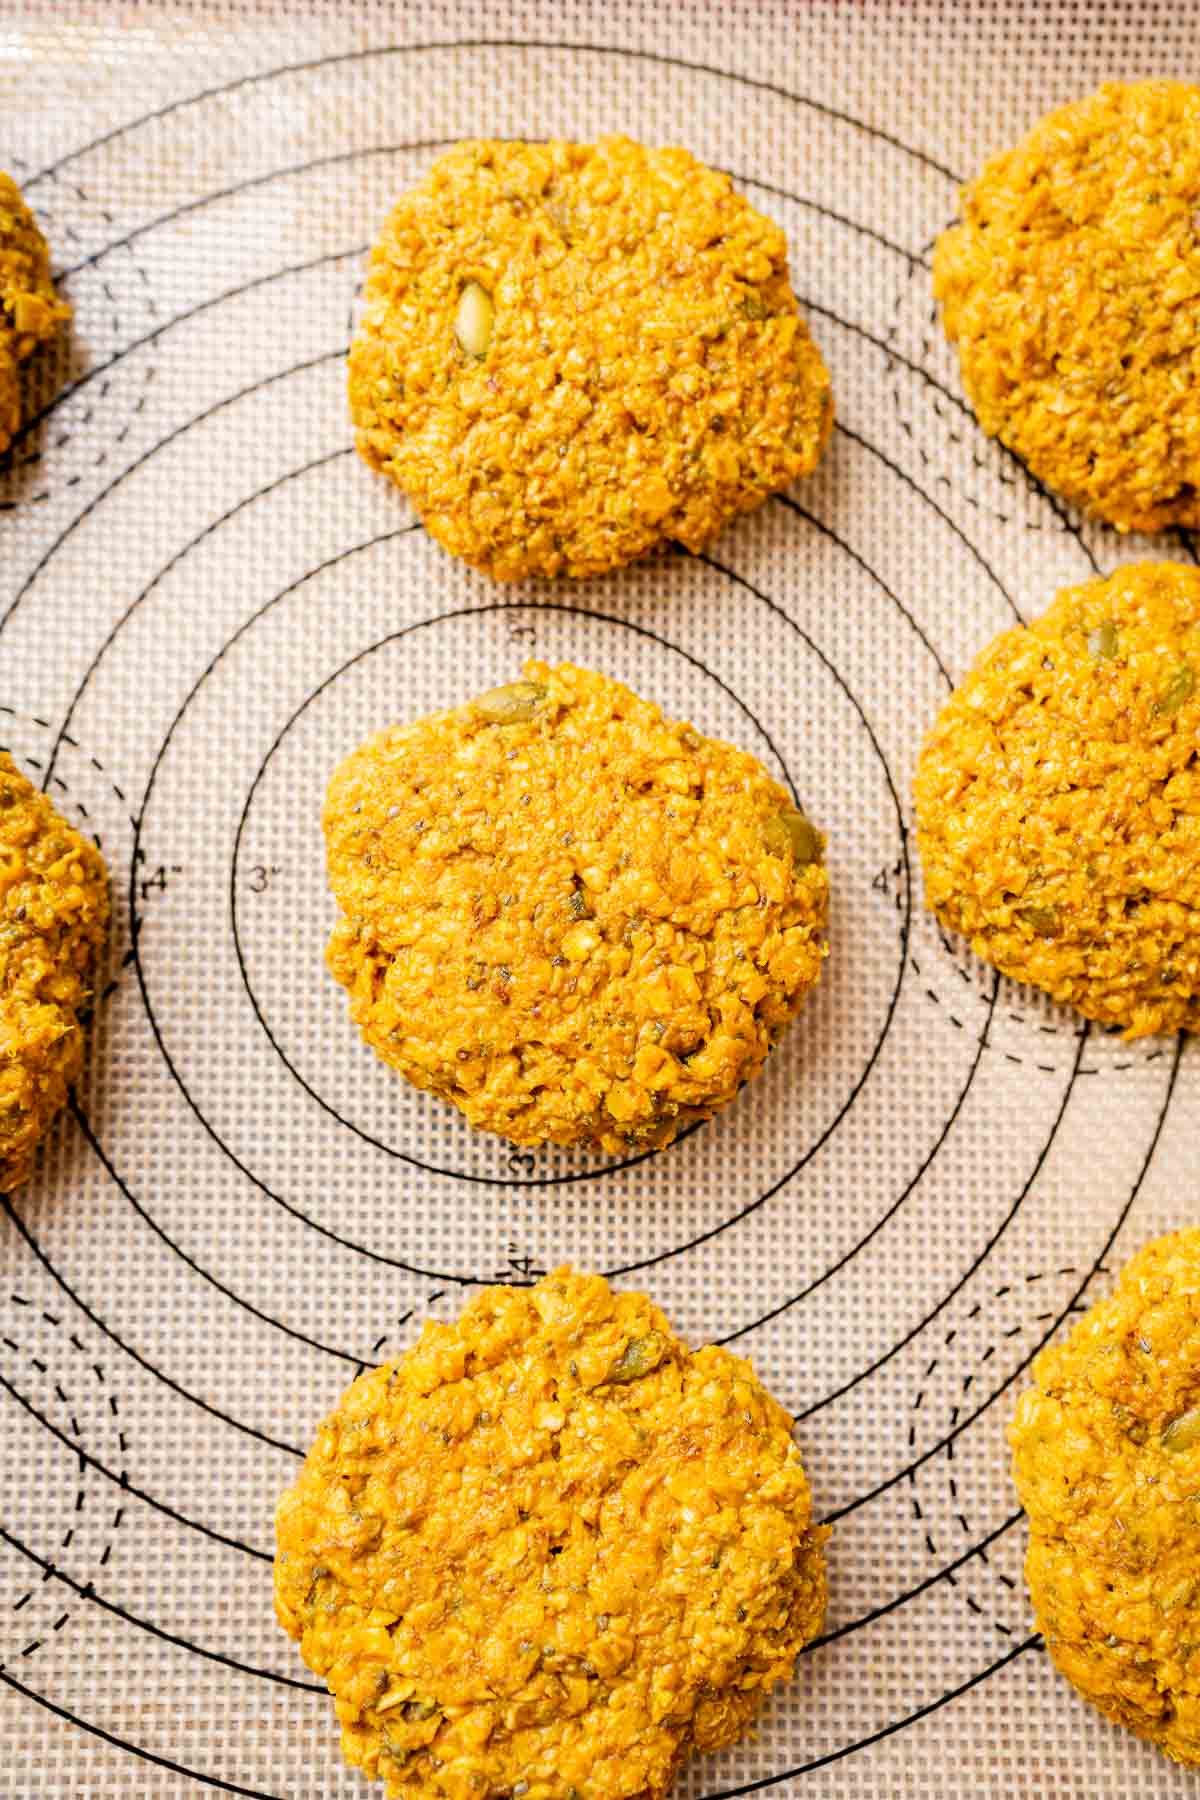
pixel 207 599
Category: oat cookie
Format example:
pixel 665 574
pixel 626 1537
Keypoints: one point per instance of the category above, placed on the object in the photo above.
pixel 549 1552
pixel 30 310
pixel 1107 1463
pixel 1072 289
pixel 575 919
pixel 53 920
pixel 572 353
pixel 1058 801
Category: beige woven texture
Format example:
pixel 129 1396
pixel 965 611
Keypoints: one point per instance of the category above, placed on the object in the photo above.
pixel 207 600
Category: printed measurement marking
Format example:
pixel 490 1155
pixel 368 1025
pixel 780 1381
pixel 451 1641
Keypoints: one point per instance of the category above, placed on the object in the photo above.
pixel 521 631
pixel 519 1264
pixel 160 879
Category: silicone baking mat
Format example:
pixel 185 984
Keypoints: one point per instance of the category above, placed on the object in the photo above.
pixel 207 599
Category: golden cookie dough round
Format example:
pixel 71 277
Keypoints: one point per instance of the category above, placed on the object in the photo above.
pixel 575 919
pixel 1058 801
pixel 1107 1465
pixel 10 397
pixel 30 310
pixel 549 1552
pixel 53 919
pixel 1072 288
pixel 573 352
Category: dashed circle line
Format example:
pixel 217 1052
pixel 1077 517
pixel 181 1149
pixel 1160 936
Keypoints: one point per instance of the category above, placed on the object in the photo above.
pixel 398 1324
pixel 919 1460
pixel 96 1368
pixel 939 404
pixel 1029 1024
pixel 61 227
pixel 931 994
pixel 362 1367
pixel 405 1318
pixel 54 778
pixel 968 1381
